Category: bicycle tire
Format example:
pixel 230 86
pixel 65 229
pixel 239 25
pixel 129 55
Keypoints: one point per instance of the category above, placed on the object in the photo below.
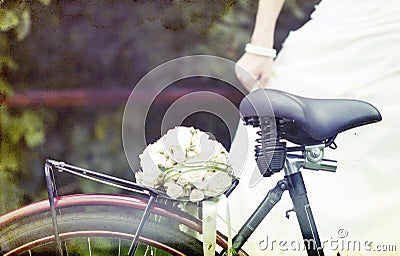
pixel 31 227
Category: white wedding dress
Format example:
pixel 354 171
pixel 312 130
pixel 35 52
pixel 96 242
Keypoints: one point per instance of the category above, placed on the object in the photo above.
pixel 349 49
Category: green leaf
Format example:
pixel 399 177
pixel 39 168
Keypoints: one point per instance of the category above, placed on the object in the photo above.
pixel 34 129
pixel 161 167
pixel 5 88
pixel 24 25
pixel 10 198
pixel 8 20
pixel 9 159
pixel 45 2
pixel 101 128
pixel 7 61
pixel 15 130
pixel 233 251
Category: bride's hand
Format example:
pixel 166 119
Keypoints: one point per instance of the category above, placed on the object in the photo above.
pixel 253 70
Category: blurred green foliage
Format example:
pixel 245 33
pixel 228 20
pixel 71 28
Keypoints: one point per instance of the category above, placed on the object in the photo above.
pixel 20 130
pixel 100 44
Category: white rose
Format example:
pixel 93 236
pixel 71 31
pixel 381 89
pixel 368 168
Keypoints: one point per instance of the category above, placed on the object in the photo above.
pixel 148 176
pixel 146 180
pixel 182 181
pixel 208 149
pixel 178 136
pixel 206 180
pixel 159 154
pixel 204 183
pixel 194 161
pixel 174 191
pixel 181 143
pixel 196 135
pixel 156 147
pixel 169 163
pixel 196 195
pixel 152 157
pixel 193 176
pixel 147 163
pixel 218 183
pixel 177 153
pixel 150 160
pixel 221 155
pixel 195 144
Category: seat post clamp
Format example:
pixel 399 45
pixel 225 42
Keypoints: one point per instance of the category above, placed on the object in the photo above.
pixel 314 155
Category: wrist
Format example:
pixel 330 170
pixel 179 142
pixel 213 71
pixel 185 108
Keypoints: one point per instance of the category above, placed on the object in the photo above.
pixel 263 36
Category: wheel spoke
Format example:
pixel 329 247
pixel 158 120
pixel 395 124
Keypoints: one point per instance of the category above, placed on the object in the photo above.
pixel 147 249
pixel 66 248
pixel 90 249
pixel 119 247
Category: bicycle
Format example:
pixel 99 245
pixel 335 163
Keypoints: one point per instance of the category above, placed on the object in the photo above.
pixel 149 222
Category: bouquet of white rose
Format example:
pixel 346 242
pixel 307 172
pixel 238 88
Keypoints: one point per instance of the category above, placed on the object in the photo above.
pixel 187 165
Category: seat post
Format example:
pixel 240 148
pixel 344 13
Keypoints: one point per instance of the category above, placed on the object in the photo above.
pixel 298 194
pixel 271 199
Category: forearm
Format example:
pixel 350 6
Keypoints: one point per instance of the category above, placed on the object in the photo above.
pixel 264 29
pixel 254 69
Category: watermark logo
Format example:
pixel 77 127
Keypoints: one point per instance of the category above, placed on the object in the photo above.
pixel 341 242
pixel 342 233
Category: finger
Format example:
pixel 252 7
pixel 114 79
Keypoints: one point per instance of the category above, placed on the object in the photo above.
pixel 247 80
pixel 250 84
pixel 264 81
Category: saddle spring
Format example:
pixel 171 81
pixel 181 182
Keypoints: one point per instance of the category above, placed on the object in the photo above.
pixel 270 150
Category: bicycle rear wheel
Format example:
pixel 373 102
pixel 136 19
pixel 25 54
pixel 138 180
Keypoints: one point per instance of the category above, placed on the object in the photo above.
pixel 99 225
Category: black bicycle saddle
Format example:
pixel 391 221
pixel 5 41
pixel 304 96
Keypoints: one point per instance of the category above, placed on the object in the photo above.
pixel 310 120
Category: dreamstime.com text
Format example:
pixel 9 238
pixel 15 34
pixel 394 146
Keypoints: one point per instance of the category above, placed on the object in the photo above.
pixel 341 243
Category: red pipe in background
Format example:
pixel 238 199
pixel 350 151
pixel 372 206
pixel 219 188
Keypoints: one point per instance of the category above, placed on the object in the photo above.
pixel 101 97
